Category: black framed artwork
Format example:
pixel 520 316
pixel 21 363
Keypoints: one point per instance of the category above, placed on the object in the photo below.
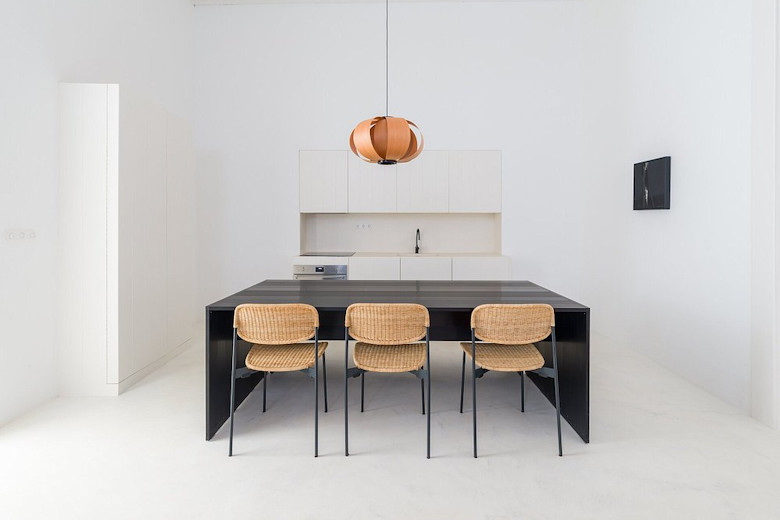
pixel 652 183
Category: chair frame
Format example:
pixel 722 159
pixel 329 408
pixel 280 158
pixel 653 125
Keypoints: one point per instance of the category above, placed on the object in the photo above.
pixel 478 373
pixel 423 374
pixel 312 372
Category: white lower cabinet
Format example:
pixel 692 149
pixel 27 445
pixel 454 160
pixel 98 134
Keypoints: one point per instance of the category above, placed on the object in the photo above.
pixel 481 268
pixel 374 268
pixel 426 268
pixel 390 267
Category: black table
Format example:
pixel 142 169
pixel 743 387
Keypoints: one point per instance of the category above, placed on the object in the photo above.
pixel 449 303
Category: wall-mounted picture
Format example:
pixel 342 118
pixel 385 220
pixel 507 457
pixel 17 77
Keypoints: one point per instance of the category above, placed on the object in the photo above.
pixel 652 183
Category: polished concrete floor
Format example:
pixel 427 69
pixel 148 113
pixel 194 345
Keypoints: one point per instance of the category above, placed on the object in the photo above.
pixel 660 448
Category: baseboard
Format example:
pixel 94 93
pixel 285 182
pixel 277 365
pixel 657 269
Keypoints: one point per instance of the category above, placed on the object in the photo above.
pixel 93 389
pixel 151 367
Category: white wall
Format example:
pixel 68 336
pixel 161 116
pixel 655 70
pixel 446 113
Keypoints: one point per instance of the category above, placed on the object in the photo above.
pixel 273 79
pixel 28 161
pixel 572 92
pixel 763 214
pixel 673 78
pixel 774 351
pixel 145 44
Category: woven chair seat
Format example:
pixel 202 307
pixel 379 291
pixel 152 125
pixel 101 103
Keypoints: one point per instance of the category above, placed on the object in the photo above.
pixel 389 358
pixel 283 358
pixel 506 358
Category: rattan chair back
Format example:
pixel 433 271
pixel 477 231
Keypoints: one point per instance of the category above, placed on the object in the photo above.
pixel 509 324
pixel 387 323
pixel 275 324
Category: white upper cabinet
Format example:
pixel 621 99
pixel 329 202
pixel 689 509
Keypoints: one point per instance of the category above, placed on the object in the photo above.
pixel 475 181
pixel 438 181
pixel 372 187
pixel 426 268
pixel 423 183
pixel 323 178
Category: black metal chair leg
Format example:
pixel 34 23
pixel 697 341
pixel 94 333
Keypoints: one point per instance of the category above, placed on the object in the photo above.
pixel 522 391
pixel 232 393
pixel 428 378
pixel 462 380
pixel 474 390
pixel 422 388
pixel 265 386
pixel 346 392
pixel 325 382
pixel 557 393
pixel 362 389
pixel 316 392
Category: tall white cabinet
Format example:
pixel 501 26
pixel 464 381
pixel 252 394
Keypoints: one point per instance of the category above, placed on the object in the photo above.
pixel 127 235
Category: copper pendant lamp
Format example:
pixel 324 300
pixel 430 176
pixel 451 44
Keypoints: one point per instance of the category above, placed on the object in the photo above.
pixel 386 139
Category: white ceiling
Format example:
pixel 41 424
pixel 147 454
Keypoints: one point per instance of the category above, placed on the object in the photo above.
pixel 246 2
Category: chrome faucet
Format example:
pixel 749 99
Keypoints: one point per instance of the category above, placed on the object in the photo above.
pixel 417 242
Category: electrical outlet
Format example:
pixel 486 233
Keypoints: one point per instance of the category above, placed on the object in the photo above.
pixel 19 235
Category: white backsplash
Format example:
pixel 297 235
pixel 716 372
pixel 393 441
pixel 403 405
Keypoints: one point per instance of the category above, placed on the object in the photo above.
pixel 395 233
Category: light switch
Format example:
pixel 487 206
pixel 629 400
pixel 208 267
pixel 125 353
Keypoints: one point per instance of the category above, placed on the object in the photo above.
pixel 19 235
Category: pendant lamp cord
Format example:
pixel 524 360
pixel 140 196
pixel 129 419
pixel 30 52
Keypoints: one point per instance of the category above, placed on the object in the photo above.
pixel 387 57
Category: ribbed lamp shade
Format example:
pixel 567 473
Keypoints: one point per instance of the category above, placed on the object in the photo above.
pixel 386 140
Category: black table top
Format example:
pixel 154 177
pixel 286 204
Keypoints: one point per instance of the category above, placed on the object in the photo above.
pixel 333 295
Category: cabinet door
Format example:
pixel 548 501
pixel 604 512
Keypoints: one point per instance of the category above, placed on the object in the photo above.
pixel 374 268
pixel 372 187
pixel 426 268
pixel 323 181
pixel 481 268
pixel 423 184
pixel 475 181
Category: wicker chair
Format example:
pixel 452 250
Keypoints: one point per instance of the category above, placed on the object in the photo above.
pixel 508 334
pixel 279 335
pixel 388 340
